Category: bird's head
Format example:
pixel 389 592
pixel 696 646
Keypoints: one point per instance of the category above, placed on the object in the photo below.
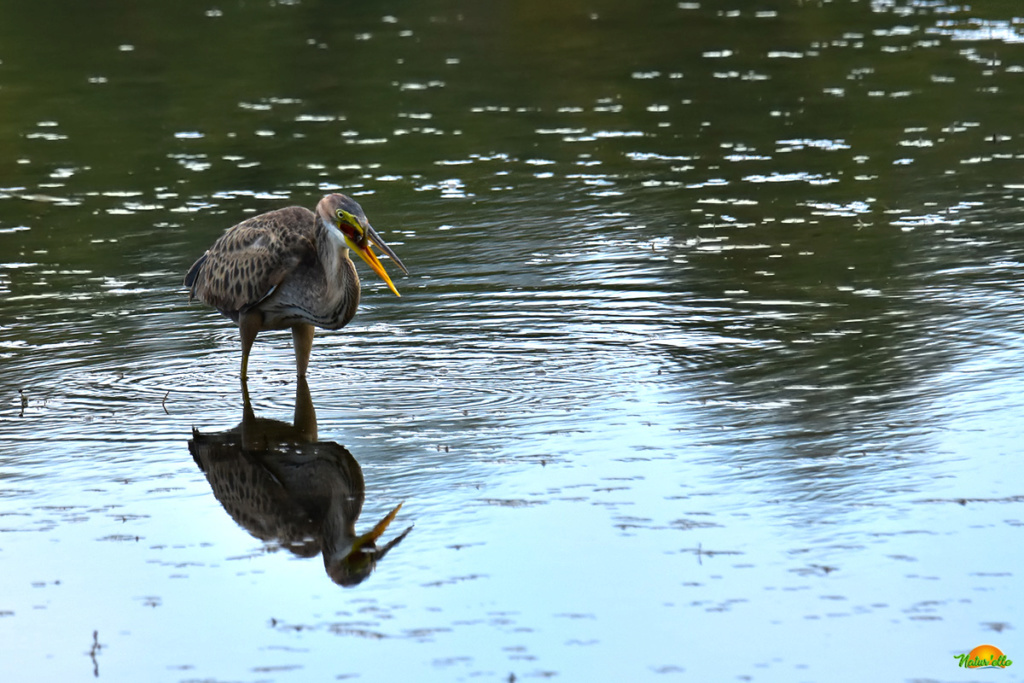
pixel 344 214
pixel 350 564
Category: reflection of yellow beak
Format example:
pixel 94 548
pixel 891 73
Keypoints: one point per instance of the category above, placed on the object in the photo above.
pixel 376 532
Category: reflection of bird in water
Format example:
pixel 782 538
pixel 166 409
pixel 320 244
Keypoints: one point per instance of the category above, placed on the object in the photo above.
pixel 290 269
pixel 279 483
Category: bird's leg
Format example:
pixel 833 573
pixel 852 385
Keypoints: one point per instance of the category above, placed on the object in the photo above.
pixel 305 414
pixel 302 336
pixel 247 411
pixel 248 327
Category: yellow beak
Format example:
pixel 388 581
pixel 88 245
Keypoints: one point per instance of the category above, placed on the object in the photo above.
pixel 372 261
pixel 365 251
pixel 377 531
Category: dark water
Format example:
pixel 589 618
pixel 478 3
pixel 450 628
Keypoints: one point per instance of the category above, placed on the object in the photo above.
pixel 707 366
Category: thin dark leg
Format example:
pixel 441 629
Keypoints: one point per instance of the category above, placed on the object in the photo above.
pixel 248 327
pixel 302 337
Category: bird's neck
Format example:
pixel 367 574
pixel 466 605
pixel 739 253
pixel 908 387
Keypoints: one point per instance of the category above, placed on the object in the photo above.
pixel 331 246
pixel 338 268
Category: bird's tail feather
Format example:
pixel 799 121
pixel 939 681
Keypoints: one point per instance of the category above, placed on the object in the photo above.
pixel 193 274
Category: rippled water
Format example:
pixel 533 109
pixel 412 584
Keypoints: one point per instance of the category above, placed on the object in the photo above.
pixel 706 367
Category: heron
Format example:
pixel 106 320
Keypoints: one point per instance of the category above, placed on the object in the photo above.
pixel 290 268
pixel 280 483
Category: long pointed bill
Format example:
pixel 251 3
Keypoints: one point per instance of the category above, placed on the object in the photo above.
pixel 362 556
pixel 366 252
pixel 376 532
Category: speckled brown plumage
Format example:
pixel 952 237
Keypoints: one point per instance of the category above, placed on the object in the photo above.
pixel 282 485
pixel 252 258
pixel 289 268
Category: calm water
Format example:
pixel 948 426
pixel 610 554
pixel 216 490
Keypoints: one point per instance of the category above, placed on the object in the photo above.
pixel 707 367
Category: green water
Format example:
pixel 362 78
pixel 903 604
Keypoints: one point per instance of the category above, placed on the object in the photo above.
pixel 706 367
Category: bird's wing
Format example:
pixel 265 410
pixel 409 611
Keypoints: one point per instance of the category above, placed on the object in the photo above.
pixel 251 259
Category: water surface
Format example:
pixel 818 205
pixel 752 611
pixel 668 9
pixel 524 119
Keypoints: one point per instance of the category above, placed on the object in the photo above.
pixel 706 367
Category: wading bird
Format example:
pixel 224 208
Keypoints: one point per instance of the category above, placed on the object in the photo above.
pixel 290 269
pixel 283 485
